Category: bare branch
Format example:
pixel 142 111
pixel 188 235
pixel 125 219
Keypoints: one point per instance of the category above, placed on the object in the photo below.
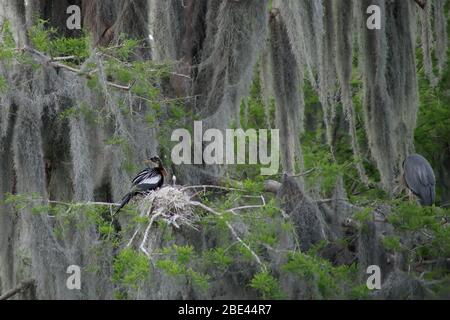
pixel 63 58
pixel 230 227
pixel 88 203
pixel 147 230
pixel 54 63
pixel 64 66
pixel 258 260
pixel 25 285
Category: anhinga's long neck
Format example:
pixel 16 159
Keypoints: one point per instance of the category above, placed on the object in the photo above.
pixel 161 169
pixel 159 165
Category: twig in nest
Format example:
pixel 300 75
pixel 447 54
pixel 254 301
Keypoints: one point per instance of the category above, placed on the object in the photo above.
pixel 168 203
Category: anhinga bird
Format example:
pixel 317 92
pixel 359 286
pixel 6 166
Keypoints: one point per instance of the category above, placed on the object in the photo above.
pixel 419 178
pixel 147 180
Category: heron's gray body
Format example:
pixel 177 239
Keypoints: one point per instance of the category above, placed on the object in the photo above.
pixel 419 178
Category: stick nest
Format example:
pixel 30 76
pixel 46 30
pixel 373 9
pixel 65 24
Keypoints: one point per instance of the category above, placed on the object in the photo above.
pixel 171 204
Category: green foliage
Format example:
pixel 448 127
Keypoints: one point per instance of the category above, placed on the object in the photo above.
pixel 253 186
pixel 318 247
pixel 252 110
pixel 433 117
pixel 324 163
pixel 40 36
pixel 181 262
pixel 218 257
pixel 428 221
pixel 122 71
pixel 370 196
pixel 128 47
pixel 254 115
pixel 66 215
pixel 262 232
pixel 3 84
pixel 115 141
pixel 183 253
pixel 360 292
pixel 83 111
pixel 267 286
pixel 46 40
pixel 365 215
pixel 433 120
pixel 7 46
pixel 429 239
pixel 330 281
pixel 77 47
pixel 119 67
pixel 7 37
pixel 392 243
pixel 20 201
pixel 324 169
pixel 262 226
pixel 412 217
pixel 130 268
pixel 171 268
pixel 271 209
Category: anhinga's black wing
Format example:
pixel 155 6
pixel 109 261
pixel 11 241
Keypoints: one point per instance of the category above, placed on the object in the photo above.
pixel 147 176
pixel 146 180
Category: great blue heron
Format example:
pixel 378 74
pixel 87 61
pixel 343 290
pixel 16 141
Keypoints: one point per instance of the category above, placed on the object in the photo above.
pixel 419 178
pixel 146 180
